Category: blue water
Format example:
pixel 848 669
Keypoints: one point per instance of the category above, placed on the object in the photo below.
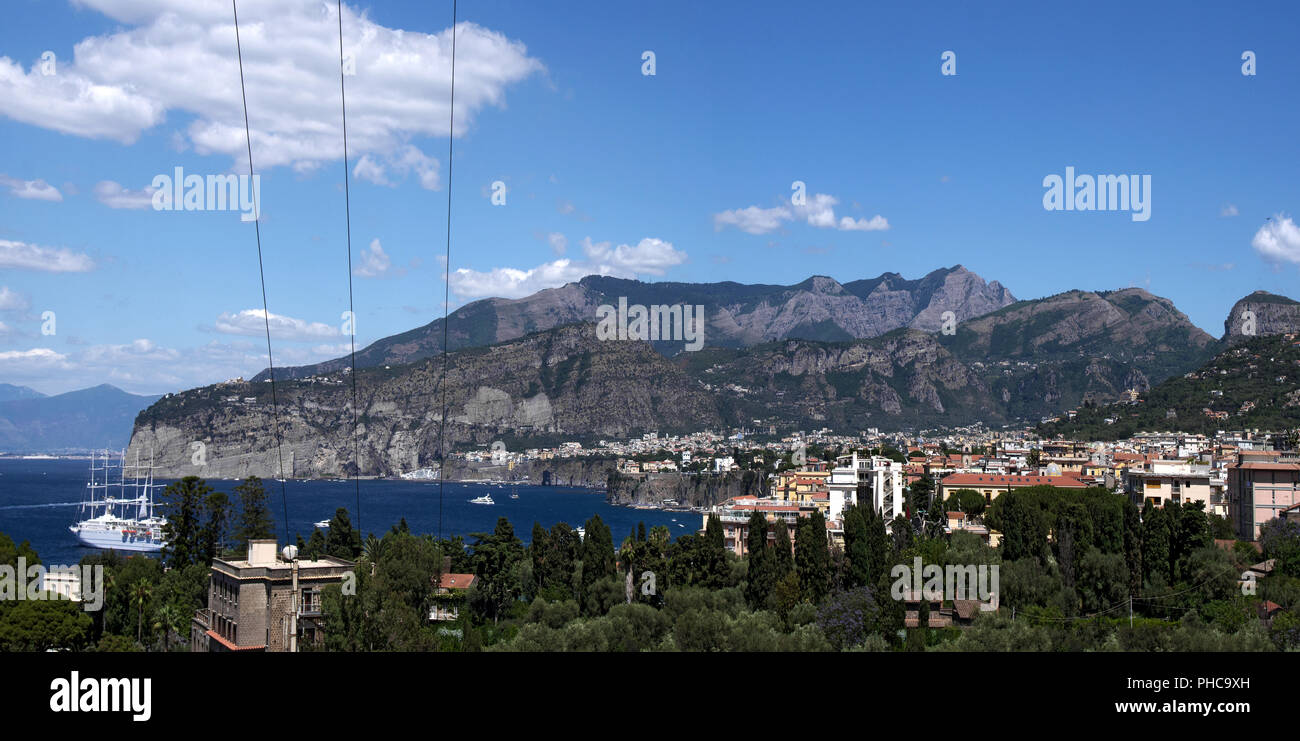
pixel 39 500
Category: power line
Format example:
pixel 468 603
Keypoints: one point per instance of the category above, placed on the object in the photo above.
pixel 266 314
pixel 446 275
pixel 352 317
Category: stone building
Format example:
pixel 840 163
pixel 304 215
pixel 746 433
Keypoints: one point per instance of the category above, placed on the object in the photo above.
pixel 264 602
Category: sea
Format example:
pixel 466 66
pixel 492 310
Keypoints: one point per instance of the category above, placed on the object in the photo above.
pixel 39 499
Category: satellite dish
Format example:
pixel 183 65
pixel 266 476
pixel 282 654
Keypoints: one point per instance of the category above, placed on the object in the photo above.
pixel 290 552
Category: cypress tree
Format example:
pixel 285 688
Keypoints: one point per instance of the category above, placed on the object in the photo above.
pixel 812 558
pixel 597 556
pixel 857 547
pixel 782 551
pixel 759 584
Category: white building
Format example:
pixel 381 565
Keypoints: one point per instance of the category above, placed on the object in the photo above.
pixel 1162 481
pixel 881 476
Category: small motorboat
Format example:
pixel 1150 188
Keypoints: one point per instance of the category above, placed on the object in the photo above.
pixel 323 524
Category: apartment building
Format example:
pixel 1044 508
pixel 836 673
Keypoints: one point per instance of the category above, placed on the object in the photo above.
pixel 264 602
pixel 734 515
pixel 883 479
pixel 1162 481
pixel 1259 490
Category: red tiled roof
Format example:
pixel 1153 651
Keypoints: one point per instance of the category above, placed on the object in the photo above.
pixel 1269 466
pixel 234 647
pixel 986 479
pixel 456 581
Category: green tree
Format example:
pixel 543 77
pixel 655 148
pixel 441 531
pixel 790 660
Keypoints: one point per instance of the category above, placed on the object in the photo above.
pixel 1133 546
pixel 342 541
pixel 496 555
pixel 597 558
pixel 966 500
pixel 141 594
pixel 920 492
pixel 857 549
pixel 168 620
pixel 184 503
pixel 782 550
pixel 759 582
pixel 216 520
pixel 1156 545
pixel 254 520
pixel 43 625
pixel 812 558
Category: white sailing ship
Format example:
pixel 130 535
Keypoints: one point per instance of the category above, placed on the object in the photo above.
pixel 120 516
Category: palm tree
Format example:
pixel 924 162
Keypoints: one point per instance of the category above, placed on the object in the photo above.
pixel 373 549
pixel 167 619
pixel 141 593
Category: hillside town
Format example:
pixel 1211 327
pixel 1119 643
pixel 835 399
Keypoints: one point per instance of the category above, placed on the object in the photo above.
pixel 1244 476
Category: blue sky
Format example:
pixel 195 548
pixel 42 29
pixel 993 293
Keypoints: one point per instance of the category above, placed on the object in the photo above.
pixel 684 175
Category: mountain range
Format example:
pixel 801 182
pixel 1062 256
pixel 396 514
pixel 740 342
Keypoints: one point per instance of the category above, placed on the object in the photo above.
pixel 75 422
pixel 875 353
pixel 1254 383
pixel 738 315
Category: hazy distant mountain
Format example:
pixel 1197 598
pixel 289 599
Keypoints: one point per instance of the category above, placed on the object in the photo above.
pixel 1273 314
pixel 88 419
pixel 737 315
pixel 10 392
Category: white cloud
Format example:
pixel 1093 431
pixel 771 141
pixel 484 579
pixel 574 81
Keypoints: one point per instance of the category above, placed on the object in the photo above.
pixel 253 322
pixel 410 159
pixel 369 170
pixel 817 211
pixel 37 190
pixel 114 195
pixel 1278 240
pixel 49 259
pixel 11 300
pixel 874 224
pixel 559 243
pixel 374 261
pixel 515 283
pixel 403 161
pixel 753 220
pixel 178 57
pixel 16 362
pixel 1228 210
pixel 649 256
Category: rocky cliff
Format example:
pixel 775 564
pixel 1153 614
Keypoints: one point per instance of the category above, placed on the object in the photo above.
pixel 558 383
pixel 1260 314
pixel 692 490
